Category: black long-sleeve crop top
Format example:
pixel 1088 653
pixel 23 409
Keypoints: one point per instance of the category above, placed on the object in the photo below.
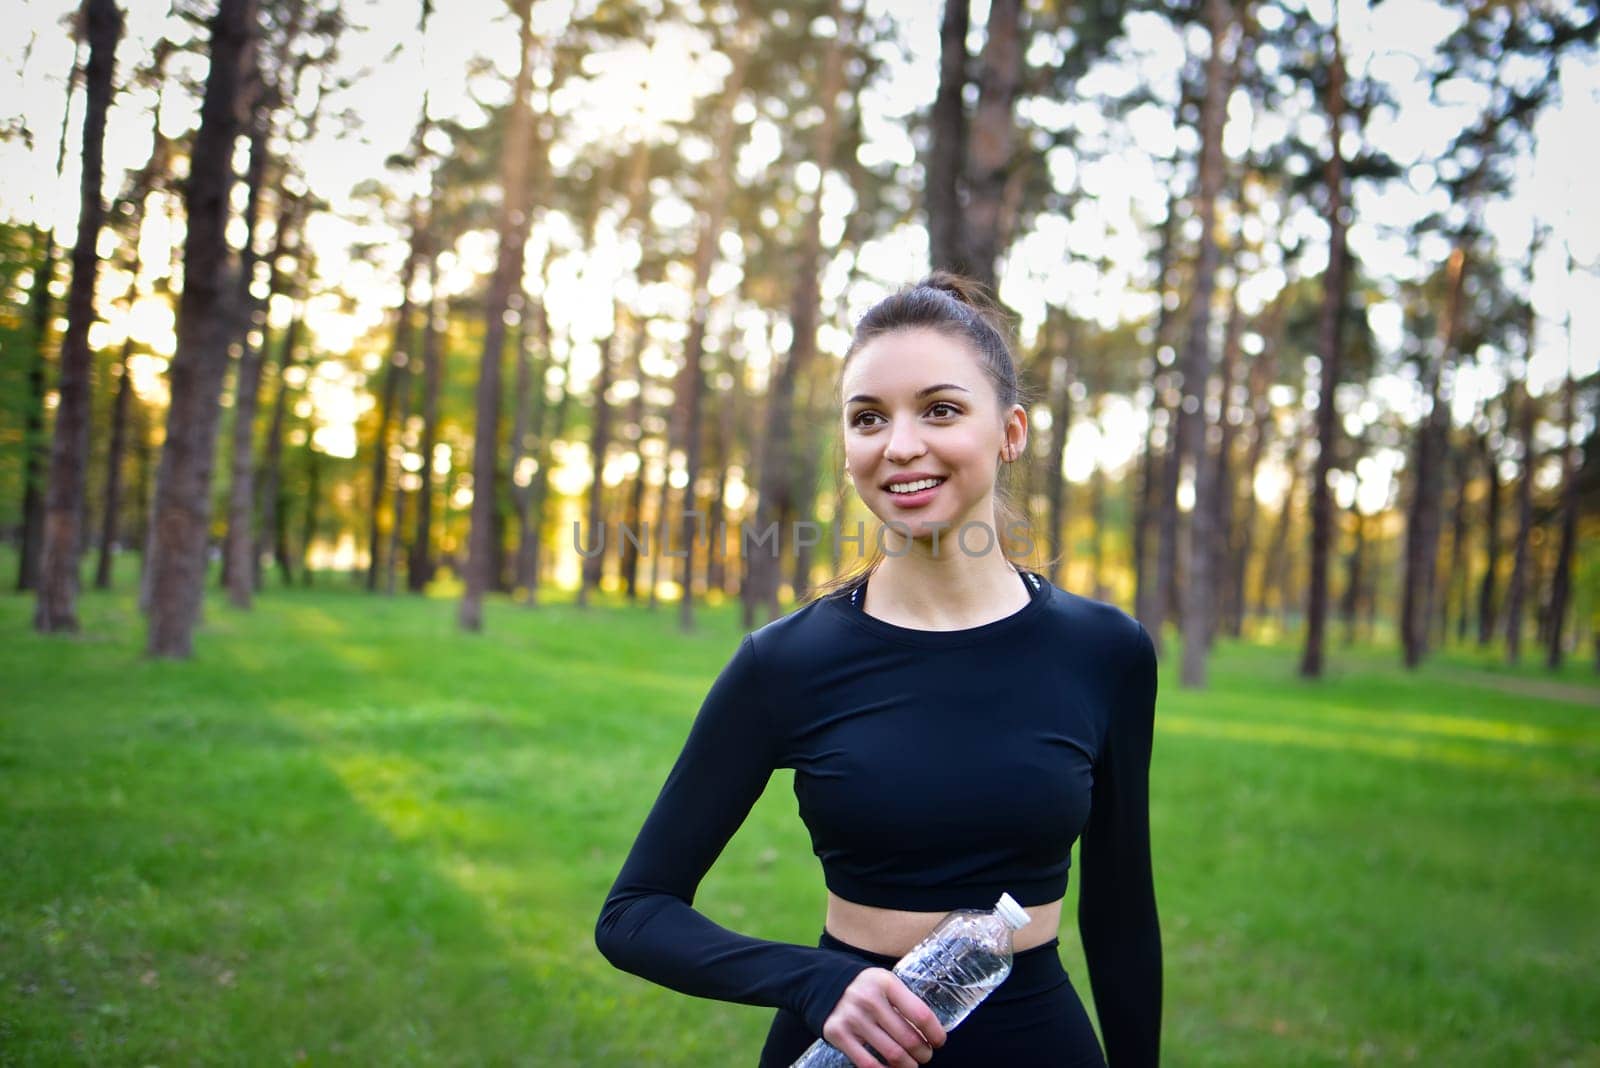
pixel 934 770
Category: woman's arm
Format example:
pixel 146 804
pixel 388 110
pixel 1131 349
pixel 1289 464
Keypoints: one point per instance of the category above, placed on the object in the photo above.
pixel 1117 901
pixel 648 925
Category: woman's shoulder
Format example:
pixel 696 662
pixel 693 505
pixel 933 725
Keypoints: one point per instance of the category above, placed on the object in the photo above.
pixel 801 635
pixel 1098 628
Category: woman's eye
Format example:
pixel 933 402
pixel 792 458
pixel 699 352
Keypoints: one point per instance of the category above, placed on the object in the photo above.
pixel 857 421
pixel 949 409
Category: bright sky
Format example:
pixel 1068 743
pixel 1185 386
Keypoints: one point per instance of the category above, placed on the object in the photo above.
pixel 650 82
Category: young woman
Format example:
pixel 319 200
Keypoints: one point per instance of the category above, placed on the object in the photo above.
pixel 954 723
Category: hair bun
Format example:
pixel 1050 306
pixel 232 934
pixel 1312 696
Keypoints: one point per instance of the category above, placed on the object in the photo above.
pixel 966 290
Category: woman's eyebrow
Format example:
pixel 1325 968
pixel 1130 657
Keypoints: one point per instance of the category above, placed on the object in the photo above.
pixel 925 391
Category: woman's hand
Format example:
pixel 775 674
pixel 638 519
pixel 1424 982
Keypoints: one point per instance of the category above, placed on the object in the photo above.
pixel 874 1010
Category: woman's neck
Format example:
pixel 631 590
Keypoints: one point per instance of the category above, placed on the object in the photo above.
pixel 947 591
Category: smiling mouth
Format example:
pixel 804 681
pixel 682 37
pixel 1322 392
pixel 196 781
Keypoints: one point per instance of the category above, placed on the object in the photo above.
pixel 909 488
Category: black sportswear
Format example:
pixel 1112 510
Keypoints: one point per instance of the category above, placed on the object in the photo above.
pixel 935 770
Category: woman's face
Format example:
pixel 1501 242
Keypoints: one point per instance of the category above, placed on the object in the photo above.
pixel 920 411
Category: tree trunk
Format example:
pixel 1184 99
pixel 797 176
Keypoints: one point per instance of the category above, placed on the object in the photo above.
pixel 529 551
pixel 35 451
pixel 513 236
pixel 419 567
pixel 1258 383
pixel 690 389
pixel 781 462
pixel 628 550
pixel 270 476
pixel 109 525
pixel 1191 441
pixel 181 518
pixel 948 143
pixel 1330 341
pixel 308 526
pixel 992 143
pixel 599 443
pixel 1222 555
pixel 1491 543
pixel 1061 378
pixel 1148 607
pixel 1422 526
pixel 1524 409
pixel 1561 582
pixel 1456 574
pixel 240 542
pixel 56 610
pixel 391 559
pixel 1353 575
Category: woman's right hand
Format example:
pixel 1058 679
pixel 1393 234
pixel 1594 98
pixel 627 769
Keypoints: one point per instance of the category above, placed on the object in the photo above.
pixel 877 1009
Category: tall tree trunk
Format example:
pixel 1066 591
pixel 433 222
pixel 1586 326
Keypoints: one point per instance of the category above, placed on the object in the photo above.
pixel 1515 592
pixel 109 520
pixel 513 237
pixel 239 544
pixel 1353 574
pixel 776 498
pixel 391 558
pixel 399 354
pixel 270 476
pixel 1561 582
pixel 1422 525
pixel 35 450
pixel 1061 378
pixel 948 143
pixel 56 610
pixel 308 525
pixel 992 140
pixel 527 406
pixel 419 568
pixel 1148 607
pixel 1222 545
pixel 593 568
pixel 1456 573
pixel 628 549
pixel 182 514
pixel 1191 441
pixel 1258 382
pixel 690 390
pixel 1275 567
pixel 531 548
pixel 1491 542
pixel 1330 341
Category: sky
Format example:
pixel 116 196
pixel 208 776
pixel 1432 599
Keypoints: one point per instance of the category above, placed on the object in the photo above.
pixel 657 80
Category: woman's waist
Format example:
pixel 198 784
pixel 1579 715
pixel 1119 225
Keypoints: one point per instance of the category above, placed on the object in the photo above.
pixel 892 932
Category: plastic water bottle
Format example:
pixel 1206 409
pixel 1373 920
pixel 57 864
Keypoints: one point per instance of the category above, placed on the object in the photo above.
pixel 956 966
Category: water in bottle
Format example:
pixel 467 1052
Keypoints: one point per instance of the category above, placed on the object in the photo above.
pixel 955 967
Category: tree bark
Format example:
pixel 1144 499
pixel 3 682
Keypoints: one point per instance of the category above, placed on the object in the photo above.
pixel 1491 542
pixel 1561 582
pixel 419 568
pixel 690 391
pixel 1061 378
pixel 241 537
pixel 270 477
pixel 531 548
pixel 629 550
pixel 56 609
pixel 992 144
pixel 1330 340
pixel 1515 592
pixel 1191 441
pixel 948 144
pixel 513 237
pixel 1149 607
pixel 781 461
pixel 181 517
pixel 1222 546
pixel 1422 526
pixel 109 520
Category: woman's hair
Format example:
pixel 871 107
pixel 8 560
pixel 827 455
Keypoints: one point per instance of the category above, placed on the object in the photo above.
pixel 958 308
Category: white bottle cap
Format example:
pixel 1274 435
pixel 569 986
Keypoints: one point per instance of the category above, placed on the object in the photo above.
pixel 1012 913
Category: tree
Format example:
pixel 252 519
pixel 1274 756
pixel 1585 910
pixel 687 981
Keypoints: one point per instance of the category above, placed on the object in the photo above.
pixel 56 609
pixel 514 221
pixel 179 523
pixel 1335 286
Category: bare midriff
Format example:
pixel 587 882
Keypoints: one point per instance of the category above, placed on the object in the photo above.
pixel 893 932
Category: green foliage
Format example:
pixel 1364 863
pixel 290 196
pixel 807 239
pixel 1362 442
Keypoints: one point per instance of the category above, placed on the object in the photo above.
pixel 348 834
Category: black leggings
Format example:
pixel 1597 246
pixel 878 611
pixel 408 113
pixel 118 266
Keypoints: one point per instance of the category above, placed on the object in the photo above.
pixel 1032 1020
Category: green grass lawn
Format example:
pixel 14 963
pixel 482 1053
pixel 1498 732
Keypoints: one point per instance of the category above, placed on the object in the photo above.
pixel 346 833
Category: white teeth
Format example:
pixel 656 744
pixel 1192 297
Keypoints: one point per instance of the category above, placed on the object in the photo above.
pixel 913 487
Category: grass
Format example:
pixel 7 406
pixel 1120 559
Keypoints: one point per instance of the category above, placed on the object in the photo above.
pixel 345 833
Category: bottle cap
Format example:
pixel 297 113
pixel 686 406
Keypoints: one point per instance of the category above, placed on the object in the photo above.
pixel 1012 913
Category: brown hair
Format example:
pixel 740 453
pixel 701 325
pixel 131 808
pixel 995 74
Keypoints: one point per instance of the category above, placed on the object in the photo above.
pixel 960 308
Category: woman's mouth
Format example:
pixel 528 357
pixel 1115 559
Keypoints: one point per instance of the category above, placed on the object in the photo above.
pixel 912 494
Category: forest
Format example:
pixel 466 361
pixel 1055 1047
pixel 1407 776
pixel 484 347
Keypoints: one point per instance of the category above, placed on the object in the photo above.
pixel 397 400
pixel 407 297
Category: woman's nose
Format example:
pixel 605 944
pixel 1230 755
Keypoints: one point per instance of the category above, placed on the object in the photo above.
pixel 905 443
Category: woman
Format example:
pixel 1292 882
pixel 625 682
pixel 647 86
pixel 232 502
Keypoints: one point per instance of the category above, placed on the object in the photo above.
pixel 954 723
